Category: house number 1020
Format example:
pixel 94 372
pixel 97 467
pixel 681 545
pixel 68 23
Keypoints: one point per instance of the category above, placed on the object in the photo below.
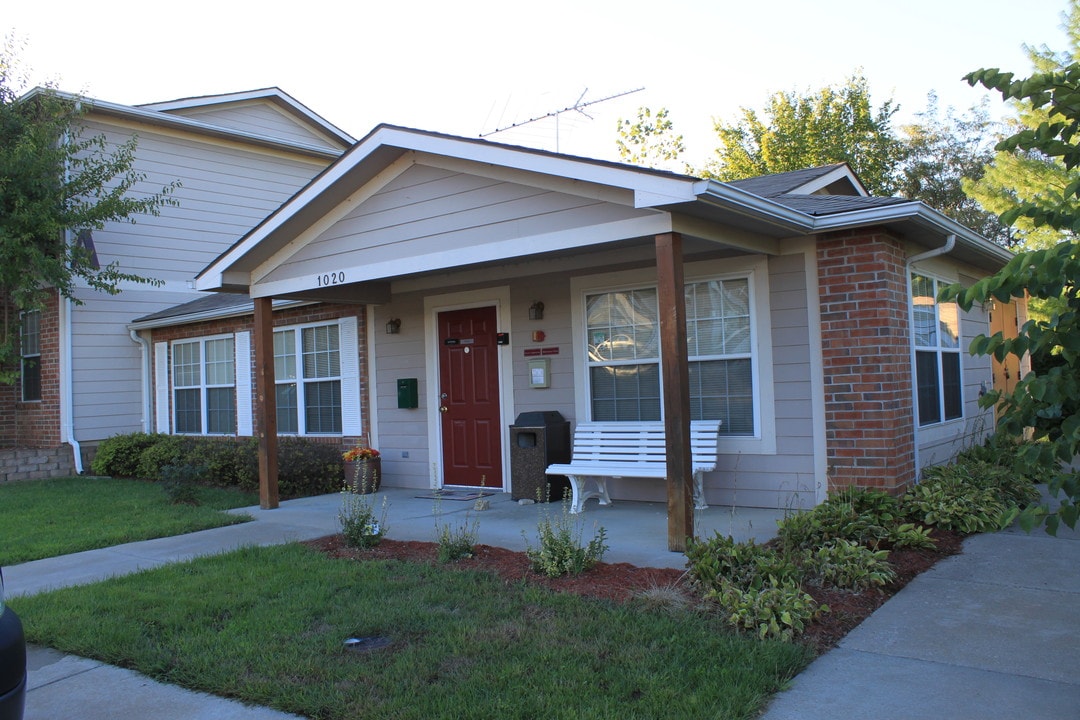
pixel 334 278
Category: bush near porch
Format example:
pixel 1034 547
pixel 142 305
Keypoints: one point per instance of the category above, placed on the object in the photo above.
pixel 305 467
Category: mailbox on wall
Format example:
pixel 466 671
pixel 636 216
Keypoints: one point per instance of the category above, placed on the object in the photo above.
pixel 407 395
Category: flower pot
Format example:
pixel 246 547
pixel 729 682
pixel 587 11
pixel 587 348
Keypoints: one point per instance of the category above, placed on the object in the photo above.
pixel 364 476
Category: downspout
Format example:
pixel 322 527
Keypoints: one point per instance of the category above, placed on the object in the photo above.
pixel 67 393
pixel 950 243
pixel 144 368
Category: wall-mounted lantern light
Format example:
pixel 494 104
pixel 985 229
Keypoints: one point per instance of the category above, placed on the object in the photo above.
pixel 536 311
pixel 393 326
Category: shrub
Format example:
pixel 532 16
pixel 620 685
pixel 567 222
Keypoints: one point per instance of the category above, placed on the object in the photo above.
pixel 166 450
pixel 560 549
pixel 846 564
pixel 180 483
pixel 308 468
pixel 721 559
pixel 775 609
pixel 912 535
pixel 863 516
pixel 948 498
pixel 456 542
pixel 119 455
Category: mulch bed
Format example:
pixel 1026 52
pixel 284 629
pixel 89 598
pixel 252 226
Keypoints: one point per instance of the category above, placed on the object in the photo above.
pixel 621 582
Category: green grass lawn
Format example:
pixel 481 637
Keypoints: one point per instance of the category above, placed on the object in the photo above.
pixel 45 518
pixel 267 625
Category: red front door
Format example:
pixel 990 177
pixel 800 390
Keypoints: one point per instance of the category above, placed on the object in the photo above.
pixel 469 398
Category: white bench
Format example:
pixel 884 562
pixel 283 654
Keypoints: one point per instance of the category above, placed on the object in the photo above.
pixel 639 450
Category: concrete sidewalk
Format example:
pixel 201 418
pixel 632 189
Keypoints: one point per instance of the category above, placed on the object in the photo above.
pixel 990 633
pixel 65 686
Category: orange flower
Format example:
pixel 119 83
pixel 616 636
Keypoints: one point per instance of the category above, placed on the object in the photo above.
pixel 360 452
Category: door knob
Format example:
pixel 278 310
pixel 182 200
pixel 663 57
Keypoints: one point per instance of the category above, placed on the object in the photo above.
pixel 442 408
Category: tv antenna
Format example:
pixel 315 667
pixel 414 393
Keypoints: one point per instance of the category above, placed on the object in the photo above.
pixel 578 106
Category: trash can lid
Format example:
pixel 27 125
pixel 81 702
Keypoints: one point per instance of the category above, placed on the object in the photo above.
pixel 538 418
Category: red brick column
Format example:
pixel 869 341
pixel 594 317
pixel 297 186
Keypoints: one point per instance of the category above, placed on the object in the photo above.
pixel 865 340
pixel 36 424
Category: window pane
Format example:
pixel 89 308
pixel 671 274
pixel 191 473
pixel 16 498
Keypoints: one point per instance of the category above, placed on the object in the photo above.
pixel 322 356
pixel 187 360
pixel 221 411
pixel 626 392
pixel 31 333
pixel 922 291
pixel 926 374
pixel 188 412
pixel 31 379
pixel 622 326
pixel 287 416
pixel 285 355
pixel 322 407
pixel 723 390
pixel 219 362
pixel 950 385
pixel 949 325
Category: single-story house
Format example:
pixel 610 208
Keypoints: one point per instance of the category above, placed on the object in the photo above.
pixel 421 291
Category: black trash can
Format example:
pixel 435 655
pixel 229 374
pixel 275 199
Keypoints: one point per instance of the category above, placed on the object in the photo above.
pixel 538 439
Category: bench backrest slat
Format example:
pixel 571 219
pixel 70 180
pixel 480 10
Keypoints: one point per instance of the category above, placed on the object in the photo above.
pixel 627 444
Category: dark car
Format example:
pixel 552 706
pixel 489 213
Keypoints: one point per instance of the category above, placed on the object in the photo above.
pixel 12 662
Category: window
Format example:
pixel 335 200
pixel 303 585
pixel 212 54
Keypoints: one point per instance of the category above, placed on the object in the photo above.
pixel 30 352
pixel 622 336
pixel 204 386
pixel 936 326
pixel 307 372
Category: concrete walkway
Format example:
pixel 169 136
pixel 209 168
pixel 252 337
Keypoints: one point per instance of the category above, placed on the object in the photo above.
pixel 991 633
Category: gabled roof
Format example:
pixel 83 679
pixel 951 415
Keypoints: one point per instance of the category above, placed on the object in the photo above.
pixel 800 203
pixel 212 306
pixel 149 116
pixel 277 96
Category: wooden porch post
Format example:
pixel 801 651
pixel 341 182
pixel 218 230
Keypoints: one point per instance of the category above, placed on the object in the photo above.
pixel 676 379
pixel 266 402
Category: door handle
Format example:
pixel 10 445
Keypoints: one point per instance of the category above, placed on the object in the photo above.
pixel 442 408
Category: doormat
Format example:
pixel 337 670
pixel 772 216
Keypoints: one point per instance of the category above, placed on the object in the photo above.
pixel 463 495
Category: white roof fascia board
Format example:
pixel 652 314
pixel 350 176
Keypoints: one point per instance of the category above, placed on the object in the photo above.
pixel 914 210
pixel 237 311
pixel 506 249
pixel 731 197
pixel 326 221
pixel 829 178
pixel 278 94
pixel 151 117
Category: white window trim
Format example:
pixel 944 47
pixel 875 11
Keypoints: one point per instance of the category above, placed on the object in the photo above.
pixel 349 376
pixel 931 432
pixel 202 387
pixel 756 270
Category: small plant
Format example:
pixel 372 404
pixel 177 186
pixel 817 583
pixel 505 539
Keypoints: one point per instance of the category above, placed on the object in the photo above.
pixel 560 550
pixel 362 526
pixel 360 451
pixel 180 483
pixel 456 542
pixel 720 559
pixel 947 501
pixel 846 564
pixel 863 516
pixel 912 535
pixel 775 609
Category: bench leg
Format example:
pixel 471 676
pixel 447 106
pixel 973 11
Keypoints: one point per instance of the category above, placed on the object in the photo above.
pixel 579 487
pixel 699 492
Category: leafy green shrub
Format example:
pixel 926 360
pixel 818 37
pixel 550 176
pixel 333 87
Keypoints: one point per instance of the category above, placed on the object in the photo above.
pixel 912 535
pixel 228 462
pixel 166 450
pixel 456 542
pixel 180 483
pixel 863 516
pixel 308 468
pixel 947 498
pixel 720 559
pixel 119 455
pixel 774 609
pixel 1007 452
pixel 560 549
pixel 846 564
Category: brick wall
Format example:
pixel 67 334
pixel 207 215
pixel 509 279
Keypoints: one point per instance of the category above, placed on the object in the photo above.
pixel 867 360
pixel 294 316
pixel 36 424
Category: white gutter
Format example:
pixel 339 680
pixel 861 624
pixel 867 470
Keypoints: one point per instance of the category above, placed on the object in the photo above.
pixel 144 371
pixel 950 243
pixel 67 395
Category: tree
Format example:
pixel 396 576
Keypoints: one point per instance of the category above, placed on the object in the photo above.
pixel 1014 178
pixel 835 124
pixel 649 141
pixel 1048 402
pixel 54 185
pixel 942 155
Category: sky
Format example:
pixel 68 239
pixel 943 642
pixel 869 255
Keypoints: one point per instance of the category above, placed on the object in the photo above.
pixel 474 67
